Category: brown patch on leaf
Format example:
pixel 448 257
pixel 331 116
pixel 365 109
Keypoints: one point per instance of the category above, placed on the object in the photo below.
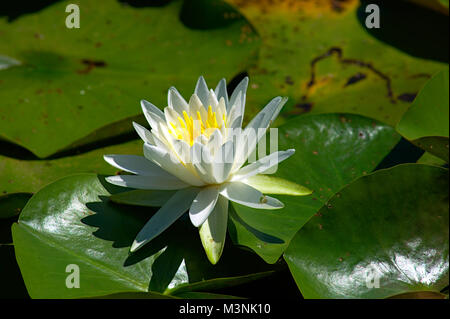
pixel 90 65
pixel 336 51
pixel 301 108
pixel 407 97
pixel 304 6
pixel 355 79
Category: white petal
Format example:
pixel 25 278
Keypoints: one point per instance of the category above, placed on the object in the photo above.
pixel 223 161
pixel 268 114
pixel 146 182
pixel 176 101
pixel 153 114
pixel 159 138
pixel 240 88
pixel 172 116
pixel 234 111
pixel 164 137
pixel 263 164
pixel 221 91
pixel 203 205
pixel 202 161
pixel 220 112
pixel 182 149
pixel 237 123
pixel 246 195
pixel 256 129
pixel 174 208
pixel 137 165
pixel 195 105
pixel 171 164
pixel 212 100
pixel 215 141
pixel 213 231
pixel 201 90
pixel 143 133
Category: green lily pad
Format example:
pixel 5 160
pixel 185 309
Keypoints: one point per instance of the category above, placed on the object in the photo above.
pixel 342 68
pixel 219 283
pixel 72 222
pixel 420 295
pixel 430 159
pixel 383 235
pixel 68 83
pixel 331 151
pixel 426 122
pixel 444 3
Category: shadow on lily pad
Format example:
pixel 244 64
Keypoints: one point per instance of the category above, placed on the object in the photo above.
pixel 176 256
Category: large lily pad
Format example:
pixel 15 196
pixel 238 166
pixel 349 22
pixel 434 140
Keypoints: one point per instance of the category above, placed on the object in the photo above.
pixel 58 85
pixel 331 151
pixel 72 221
pixel 426 121
pixel 383 235
pixel 321 55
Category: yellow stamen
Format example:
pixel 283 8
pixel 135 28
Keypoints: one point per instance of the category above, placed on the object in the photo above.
pixel 185 129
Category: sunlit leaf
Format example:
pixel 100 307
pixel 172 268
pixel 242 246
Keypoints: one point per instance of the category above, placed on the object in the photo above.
pixel 384 234
pixel 331 151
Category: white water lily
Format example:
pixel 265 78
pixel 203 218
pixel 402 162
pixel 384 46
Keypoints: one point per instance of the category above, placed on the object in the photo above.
pixel 198 149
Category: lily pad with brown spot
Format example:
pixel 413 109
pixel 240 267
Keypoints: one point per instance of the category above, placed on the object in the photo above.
pixel 333 63
pixel 59 85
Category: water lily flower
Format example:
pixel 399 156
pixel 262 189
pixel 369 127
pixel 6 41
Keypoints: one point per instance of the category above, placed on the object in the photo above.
pixel 199 149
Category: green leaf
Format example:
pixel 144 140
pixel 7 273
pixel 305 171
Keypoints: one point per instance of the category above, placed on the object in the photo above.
pixel 268 184
pixel 436 145
pixel 347 68
pixel 219 283
pixel 391 225
pixel 430 159
pixel 420 295
pixel 444 3
pixel 72 82
pixel 426 121
pixel 331 151
pixel 72 221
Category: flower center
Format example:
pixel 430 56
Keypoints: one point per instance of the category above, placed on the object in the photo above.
pixel 188 128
